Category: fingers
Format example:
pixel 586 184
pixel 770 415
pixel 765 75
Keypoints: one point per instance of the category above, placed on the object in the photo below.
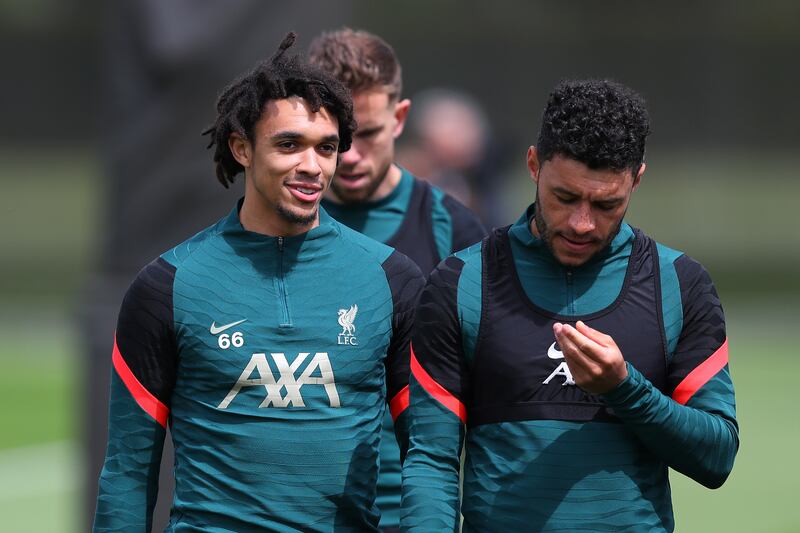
pixel 581 366
pixel 600 338
pixel 582 342
pixel 595 361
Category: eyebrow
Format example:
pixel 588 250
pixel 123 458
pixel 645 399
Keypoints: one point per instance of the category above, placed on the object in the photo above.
pixel 567 192
pixel 295 135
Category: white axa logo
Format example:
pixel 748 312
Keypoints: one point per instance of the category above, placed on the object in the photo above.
pixel 346 318
pixel 258 363
pixel 561 370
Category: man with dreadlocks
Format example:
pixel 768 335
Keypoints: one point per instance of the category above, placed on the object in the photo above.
pixel 372 194
pixel 269 341
pixel 574 357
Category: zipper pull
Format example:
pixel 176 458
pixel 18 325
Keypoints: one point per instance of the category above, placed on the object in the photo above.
pixel 280 244
pixel 569 277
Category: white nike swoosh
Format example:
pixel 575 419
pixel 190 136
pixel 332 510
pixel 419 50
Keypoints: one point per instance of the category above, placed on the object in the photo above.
pixel 552 353
pixel 217 330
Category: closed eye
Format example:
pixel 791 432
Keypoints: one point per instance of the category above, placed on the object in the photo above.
pixel 607 206
pixel 566 199
pixel 368 133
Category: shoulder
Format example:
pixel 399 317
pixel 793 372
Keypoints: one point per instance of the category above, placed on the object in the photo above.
pixel 456 210
pixel 188 249
pixel 686 270
pixel 359 249
pixel 364 248
pixel 159 274
pixel 465 226
pixel 471 255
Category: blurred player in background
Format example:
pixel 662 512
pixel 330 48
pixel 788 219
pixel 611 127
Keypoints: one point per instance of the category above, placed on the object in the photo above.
pixel 372 194
pixel 448 139
pixel 269 341
pixel 575 357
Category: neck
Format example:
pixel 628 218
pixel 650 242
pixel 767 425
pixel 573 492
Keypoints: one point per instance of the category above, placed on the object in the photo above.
pixel 266 220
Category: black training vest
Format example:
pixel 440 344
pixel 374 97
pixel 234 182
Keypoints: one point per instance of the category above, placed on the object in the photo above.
pixel 511 359
pixel 414 238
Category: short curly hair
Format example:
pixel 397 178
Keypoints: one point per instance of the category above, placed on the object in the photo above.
pixel 600 123
pixel 241 104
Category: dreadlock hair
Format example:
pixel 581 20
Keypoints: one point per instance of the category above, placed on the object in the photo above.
pixel 361 60
pixel 600 123
pixel 241 104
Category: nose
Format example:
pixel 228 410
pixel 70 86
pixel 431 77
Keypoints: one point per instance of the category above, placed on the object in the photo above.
pixel 581 221
pixel 309 163
pixel 351 157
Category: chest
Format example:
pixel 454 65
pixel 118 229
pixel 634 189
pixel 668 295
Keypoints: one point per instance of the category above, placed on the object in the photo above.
pixel 519 370
pixel 281 337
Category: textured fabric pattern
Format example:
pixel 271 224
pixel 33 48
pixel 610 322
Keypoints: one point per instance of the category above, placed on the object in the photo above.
pixel 537 461
pixel 469 297
pixel 427 225
pixel 553 475
pixel 430 472
pixel 286 348
pixel 129 479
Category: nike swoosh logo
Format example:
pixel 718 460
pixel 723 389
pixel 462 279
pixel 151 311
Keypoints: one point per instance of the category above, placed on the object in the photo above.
pixel 217 330
pixel 554 353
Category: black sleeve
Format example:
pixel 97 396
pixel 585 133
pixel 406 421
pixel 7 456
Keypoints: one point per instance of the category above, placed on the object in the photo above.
pixel 467 227
pixel 438 347
pixel 703 331
pixel 405 282
pixel 145 334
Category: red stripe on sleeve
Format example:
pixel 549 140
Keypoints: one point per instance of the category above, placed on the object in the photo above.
pixel 701 375
pixel 399 403
pixel 437 391
pixel 151 405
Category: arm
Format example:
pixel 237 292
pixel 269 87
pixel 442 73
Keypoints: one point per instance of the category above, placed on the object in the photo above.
pixel 694 431
pixel 438 392
pixel 405 282
pixel 143 375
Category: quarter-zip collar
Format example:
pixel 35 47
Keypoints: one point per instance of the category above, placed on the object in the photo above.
pixel 302 247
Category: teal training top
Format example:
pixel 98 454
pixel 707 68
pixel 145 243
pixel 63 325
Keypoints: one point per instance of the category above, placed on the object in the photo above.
pixel 541 454
pixel 272 359
pixel 427 225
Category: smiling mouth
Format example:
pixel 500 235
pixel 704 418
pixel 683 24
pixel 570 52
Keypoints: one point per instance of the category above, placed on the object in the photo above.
pixel 305 192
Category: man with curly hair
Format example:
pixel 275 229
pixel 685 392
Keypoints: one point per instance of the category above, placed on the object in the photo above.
pixel 269 341
pixel 575 358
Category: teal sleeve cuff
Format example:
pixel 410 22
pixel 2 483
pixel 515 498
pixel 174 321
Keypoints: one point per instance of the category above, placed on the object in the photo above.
pixel 633 387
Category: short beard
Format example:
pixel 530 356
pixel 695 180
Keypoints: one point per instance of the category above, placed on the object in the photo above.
pixel 294 218
pixel 546 234
pixel 347 197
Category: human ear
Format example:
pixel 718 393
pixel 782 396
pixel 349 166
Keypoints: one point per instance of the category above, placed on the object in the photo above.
pixel 401 109
pixel 533 164
pixel 241 149
pixel 638 177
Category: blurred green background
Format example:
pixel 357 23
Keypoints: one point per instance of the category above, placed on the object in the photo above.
pixel 721 185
